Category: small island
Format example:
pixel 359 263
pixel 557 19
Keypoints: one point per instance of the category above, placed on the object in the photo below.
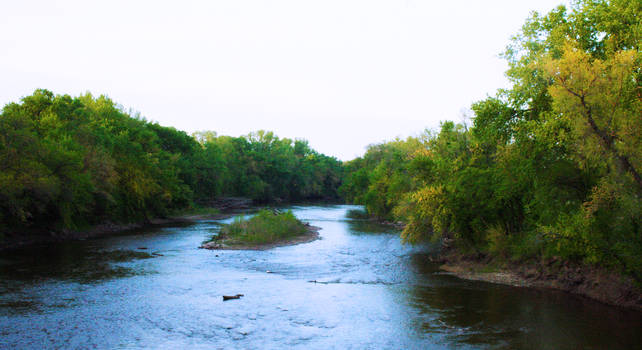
pixel 269 228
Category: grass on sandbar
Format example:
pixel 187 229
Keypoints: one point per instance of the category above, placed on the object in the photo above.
pixel 266 226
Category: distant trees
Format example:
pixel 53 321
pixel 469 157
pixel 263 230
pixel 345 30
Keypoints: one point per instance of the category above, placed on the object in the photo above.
pixel 549 167
pixel 263 167
pixel 70 162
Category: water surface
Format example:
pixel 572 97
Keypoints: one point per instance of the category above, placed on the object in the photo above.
pixel 357 287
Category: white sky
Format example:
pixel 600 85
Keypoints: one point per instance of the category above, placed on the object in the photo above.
pixel 341 74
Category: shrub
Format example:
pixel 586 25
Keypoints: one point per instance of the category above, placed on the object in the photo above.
pixel 265 227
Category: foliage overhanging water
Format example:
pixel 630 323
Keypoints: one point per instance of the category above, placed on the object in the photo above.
pixel 356 287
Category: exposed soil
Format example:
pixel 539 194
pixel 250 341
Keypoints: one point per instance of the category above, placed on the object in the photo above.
pixel 310 235
pixel 589 281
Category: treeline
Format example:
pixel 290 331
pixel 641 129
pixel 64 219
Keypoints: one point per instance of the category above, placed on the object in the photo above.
pixel 549 167
pixel 66 163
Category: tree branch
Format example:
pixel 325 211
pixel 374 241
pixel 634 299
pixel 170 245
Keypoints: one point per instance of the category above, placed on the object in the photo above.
pixel 607 142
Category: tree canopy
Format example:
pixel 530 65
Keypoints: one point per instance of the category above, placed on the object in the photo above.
pixel 550 167
pixel 68 162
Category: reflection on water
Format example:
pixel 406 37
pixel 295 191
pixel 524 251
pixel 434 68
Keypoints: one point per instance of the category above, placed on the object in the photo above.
pixel 67 261
pixel 356 287
pixel 484 314
pixel 369 227
pixel 360 223
pixel 357 214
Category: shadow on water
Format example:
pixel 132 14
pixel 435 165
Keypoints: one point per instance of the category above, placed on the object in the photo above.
pixel 372 292
pixel 489 315
pixel 369 227
pixel 23 272
pixel 69 262
pixel 359 222
pixel 357 214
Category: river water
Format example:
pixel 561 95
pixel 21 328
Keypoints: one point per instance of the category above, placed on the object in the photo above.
pixel 358 287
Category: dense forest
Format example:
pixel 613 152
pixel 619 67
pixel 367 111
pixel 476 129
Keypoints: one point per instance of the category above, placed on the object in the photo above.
pixel 67 163
pixel 549 167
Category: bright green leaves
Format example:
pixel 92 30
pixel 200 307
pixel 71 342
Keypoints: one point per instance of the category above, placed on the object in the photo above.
pixel 551 166
pixel 427 213
pixel 494 123
pixel 600 98
pixel 68 162
pixel 266 168
pixel 380 179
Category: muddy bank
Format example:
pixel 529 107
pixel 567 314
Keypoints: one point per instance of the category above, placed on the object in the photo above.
pixel 589 281
pixel 311 234
pixel 25 238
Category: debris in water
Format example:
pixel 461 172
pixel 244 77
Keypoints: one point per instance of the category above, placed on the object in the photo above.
pixel 229 297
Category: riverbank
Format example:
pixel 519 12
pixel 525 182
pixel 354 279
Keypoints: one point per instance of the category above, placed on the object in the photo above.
pixel 216 209
pixel 311 234
pixel 592 282
pixel 27 238
pixel 107 292
pixel 589 281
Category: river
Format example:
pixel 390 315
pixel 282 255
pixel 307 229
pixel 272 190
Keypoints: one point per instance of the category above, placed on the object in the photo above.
pixel 358 287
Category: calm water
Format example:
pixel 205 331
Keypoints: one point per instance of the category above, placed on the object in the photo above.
pixel 372 292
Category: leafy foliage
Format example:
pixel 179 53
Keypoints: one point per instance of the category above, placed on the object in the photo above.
pixel 263 167
pixel 550 167
pixel 66 163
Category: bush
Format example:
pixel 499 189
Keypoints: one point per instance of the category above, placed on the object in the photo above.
pixel 266 226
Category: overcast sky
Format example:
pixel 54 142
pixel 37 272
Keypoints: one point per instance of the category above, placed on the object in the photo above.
pixel 341 74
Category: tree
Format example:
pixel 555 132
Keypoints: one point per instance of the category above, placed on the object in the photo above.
pixel 602 99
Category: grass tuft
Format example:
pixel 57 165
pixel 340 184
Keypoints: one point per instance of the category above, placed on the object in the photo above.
pixel 267 226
